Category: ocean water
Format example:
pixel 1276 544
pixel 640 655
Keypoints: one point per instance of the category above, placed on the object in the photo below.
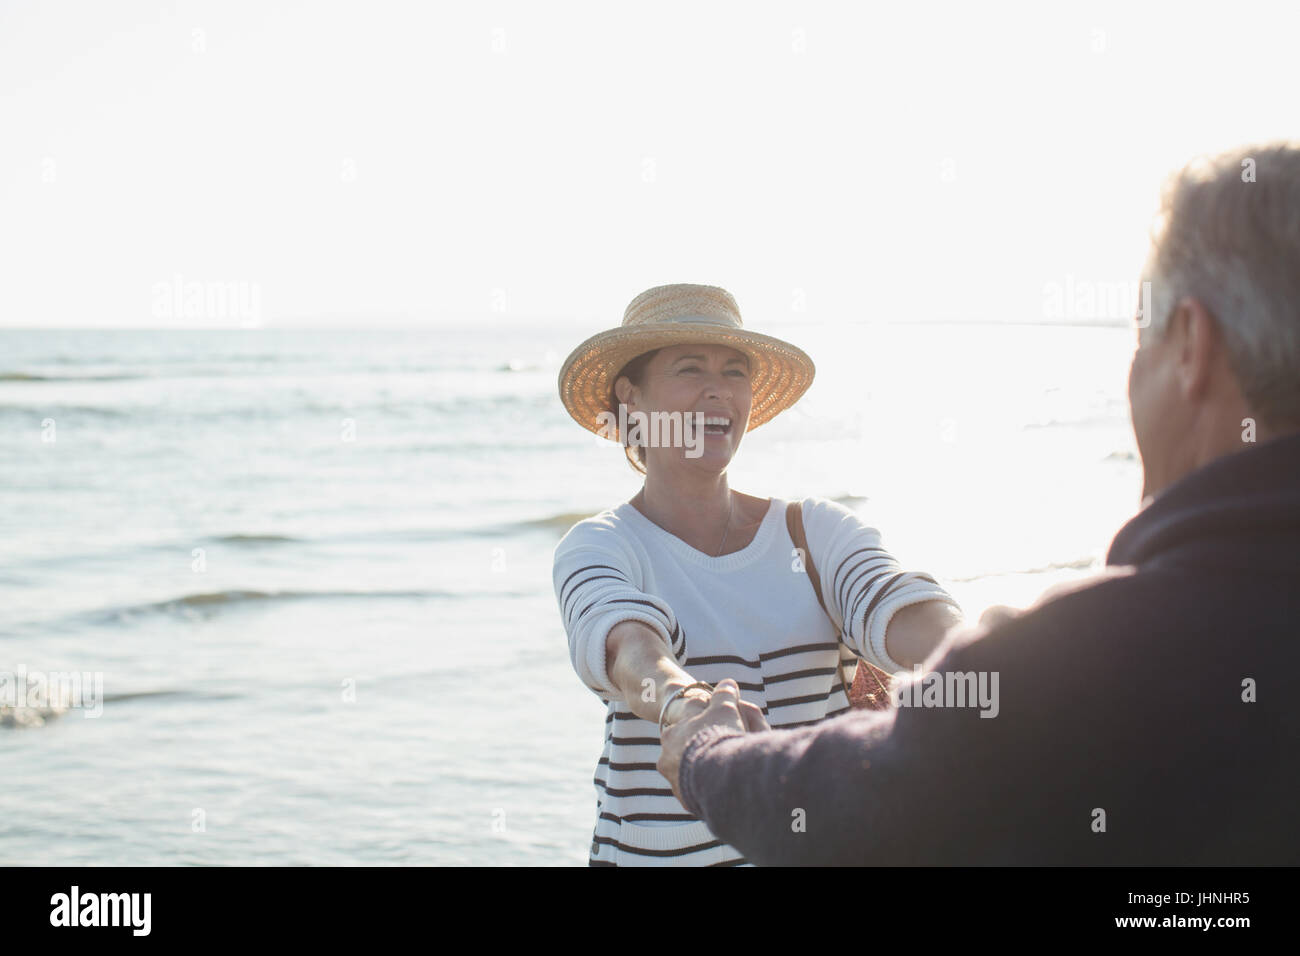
pixel 313 567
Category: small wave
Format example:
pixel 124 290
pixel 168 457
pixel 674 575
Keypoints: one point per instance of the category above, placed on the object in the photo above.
pixel 254 539
pixel 21 715
pixel 138 694
pixel 193 605
pixel 148 694
pixel 208 603
pixel 28 377
pixel 518 365
pixel 564 520
pixel 1078 564
pixel 208 599
pixel 56 411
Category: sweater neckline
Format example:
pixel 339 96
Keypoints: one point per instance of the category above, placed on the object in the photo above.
pixel 727 562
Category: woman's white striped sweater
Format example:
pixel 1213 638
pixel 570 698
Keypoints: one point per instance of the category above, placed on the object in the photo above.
pixel 750 615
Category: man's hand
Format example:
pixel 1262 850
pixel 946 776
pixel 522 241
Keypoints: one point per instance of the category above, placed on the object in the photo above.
pixel 725 709
pixel 998 614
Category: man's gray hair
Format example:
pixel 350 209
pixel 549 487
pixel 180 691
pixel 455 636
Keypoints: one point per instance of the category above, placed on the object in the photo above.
pixel 1229 236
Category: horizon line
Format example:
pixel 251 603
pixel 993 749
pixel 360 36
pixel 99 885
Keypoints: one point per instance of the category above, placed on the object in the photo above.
pixel 372 326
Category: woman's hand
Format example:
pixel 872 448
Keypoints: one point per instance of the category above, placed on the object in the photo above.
pixel 643 669
pixel 725 709
pixel 696 700
pixel 687 705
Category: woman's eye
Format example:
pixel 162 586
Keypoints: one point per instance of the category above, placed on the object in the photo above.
pixel 733 371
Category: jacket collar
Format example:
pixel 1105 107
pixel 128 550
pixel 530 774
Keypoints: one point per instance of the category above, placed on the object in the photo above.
pixel 1241 510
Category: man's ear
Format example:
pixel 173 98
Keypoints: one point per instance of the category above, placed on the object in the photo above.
pixel 1199 345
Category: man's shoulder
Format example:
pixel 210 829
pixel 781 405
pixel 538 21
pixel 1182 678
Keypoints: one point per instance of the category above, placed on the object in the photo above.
pixel 1140 617
pixel 1102 607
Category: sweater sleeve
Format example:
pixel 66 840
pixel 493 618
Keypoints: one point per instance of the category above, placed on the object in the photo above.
pixel 866 788
pixel 597 578
pixel 863 585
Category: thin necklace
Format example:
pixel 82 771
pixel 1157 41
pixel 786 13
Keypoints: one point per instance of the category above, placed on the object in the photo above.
pixel 726 528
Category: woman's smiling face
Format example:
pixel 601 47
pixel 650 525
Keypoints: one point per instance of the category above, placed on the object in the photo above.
pixel 712 380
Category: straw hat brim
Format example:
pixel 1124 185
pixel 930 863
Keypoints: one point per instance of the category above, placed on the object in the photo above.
pixel 779 372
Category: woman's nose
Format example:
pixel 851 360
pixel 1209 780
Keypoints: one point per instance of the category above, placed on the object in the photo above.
pixel 718 383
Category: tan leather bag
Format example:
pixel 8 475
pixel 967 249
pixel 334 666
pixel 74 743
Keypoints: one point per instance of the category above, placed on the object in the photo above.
pixel 870 688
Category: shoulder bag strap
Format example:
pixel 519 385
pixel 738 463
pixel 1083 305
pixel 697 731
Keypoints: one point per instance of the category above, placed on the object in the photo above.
pixel 875 698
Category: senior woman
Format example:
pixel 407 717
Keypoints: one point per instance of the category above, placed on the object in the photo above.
pixel 690 583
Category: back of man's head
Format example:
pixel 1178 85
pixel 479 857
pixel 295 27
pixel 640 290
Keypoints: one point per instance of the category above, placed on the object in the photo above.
pixel 1223 344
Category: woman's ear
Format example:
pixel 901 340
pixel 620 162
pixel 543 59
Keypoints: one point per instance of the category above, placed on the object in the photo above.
pixel 623 389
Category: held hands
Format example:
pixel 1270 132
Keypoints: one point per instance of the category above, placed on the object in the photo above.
pixel 690 714
pixel 686 704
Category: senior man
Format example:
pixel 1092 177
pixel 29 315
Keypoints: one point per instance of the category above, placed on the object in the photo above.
pixel 1146 717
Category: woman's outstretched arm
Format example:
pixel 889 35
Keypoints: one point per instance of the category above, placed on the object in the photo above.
pixel 893 617
pixel 625 644
pixel 915 631
pixel 643 670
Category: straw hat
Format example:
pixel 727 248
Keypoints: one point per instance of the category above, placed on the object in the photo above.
pixel 682 314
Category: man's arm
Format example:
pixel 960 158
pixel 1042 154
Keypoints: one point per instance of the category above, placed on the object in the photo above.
pixel 795 797
pixel 917 785
pixel 1069 727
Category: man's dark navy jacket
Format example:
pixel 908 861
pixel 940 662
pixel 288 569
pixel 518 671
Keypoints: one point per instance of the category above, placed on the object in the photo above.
pixel 1126 704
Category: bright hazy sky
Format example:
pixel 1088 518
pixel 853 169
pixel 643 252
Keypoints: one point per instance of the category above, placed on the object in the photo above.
pixel 377 162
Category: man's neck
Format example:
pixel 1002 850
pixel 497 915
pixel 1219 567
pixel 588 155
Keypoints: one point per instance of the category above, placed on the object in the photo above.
pixel 1226 435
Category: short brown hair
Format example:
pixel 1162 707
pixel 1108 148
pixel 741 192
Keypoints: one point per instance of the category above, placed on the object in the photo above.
pixel 635 372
